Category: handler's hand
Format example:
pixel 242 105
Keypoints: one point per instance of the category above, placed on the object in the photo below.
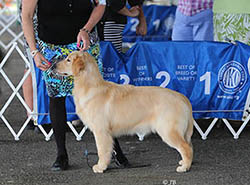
pixel 41 62
pixel 83 42
pixel 134 11
pixel 141 28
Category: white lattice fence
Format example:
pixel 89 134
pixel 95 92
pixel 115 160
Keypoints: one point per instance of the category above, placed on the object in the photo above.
pixel 8 26
pixel 10 40
pixel 15 93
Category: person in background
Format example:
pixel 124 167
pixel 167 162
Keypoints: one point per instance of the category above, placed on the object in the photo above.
pixel 232 20
pixel 111 28
pixel 193 20
pixel 114 20
pixel 69 28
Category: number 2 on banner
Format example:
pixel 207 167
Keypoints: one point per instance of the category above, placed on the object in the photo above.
pixel 134 23
pixel 167 78
pixel 125 78
pixel 207 78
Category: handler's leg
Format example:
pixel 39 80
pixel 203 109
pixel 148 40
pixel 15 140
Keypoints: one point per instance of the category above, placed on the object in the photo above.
pixel 120 159
pixel 58 121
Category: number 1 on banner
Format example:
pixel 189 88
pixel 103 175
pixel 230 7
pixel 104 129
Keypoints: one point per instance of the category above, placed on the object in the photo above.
pixel 156 23
pixel 207 78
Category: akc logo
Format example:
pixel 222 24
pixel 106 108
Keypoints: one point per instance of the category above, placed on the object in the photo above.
pixel 232 77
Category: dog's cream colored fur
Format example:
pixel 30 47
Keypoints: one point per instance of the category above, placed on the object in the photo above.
pixel 111 110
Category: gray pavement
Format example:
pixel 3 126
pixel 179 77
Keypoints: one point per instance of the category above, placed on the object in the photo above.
pixel 218 160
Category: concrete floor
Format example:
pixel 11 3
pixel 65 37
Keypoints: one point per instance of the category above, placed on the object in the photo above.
pixel 218 160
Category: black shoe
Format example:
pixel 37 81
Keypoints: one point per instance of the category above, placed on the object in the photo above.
pixel 61 163
pixel 120 160
pixel 30 125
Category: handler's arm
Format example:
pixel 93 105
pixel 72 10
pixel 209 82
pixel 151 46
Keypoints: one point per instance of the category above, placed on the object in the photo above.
pixel 132 12
pixel 141 29
pixel 95 17
pixel 28 9
pixel 119 6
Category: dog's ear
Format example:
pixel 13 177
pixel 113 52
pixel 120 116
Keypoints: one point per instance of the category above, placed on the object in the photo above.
pixel 77 65
pixel 88 58
pixel 86 55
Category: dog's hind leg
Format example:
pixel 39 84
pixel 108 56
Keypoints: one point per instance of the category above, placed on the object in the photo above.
pixel 188 135
pixel 175 140
pixel 104 144
pixel 186 151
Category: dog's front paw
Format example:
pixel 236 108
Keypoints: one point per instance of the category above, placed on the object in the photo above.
pixel 97 169
pixel 181 162
pixel 181 169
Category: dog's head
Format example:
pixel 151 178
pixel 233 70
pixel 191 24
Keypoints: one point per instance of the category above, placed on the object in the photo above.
pixel 74 63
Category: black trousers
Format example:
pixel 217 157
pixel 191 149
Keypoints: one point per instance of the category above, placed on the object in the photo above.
pixel 58 119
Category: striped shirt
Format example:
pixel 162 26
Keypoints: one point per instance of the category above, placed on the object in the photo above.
pixel 192 7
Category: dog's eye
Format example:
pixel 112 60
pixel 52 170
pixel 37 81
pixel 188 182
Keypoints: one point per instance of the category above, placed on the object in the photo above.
pixel 68 60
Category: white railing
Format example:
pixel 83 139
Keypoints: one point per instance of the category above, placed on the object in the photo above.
pixel 7 20
pixel 15 93
pixel 10 36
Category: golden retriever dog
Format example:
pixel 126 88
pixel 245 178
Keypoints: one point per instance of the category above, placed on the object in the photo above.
pixel 111 110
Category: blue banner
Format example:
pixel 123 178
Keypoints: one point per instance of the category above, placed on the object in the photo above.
pixel 159 20
pixel 213 75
